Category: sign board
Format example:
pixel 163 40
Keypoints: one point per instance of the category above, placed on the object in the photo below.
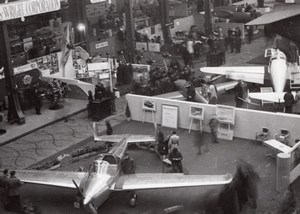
pixel 24 8
pixel 225 114
pixel 148 105
pixel 196 112
pixel 154 47
pixel 101 45
pixel 97 1
pixel 24 68
pixel 48 63
pixel 96 10
pixel 97 66
pixel 141 46
pixel 169 116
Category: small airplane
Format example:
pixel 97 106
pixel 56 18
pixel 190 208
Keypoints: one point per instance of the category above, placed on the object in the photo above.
pixel 207 93
pixel 278 70
pixel 105 176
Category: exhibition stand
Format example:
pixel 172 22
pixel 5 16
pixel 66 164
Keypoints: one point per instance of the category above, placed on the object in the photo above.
pixel 246 122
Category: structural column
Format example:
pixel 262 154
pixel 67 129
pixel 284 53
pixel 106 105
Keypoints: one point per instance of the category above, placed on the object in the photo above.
pixel 15 113
pixel 164 8
pixel 208 21
pixel 130 38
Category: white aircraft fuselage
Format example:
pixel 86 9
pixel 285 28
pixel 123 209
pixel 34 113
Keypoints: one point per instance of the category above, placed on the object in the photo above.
pixel 278 70
pixel 96 185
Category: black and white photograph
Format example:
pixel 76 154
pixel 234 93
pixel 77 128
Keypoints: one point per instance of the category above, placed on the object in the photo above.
pixel 196 112
pixel 150 106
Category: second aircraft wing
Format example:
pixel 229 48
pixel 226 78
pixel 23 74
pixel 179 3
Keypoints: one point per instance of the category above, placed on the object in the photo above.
pixel 253 74
pixel 164 180
pixel 50 178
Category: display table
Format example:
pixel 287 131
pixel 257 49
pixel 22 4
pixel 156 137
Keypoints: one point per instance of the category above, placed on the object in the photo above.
pixel 97 110
pixel 277 146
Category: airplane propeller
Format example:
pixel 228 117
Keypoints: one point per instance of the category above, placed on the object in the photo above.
pixel 247 100
pixel 79 190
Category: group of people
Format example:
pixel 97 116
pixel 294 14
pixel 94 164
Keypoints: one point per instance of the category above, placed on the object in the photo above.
pixel 10 191
pixel 168 148
pixel 234 38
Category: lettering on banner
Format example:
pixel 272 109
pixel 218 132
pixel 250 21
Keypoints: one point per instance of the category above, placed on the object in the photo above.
pixel 25 8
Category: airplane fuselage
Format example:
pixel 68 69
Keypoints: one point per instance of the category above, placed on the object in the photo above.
pixel 278 70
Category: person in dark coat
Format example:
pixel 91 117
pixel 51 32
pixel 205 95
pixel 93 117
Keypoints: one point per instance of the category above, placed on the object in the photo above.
pixel 4 188
pixel 288 101
pixel 213 124
pixel 176 157
pixel 250 33
pixel 14 199
pixel 37 100
pixel 128 164
pixel 109 130
pixel 190 93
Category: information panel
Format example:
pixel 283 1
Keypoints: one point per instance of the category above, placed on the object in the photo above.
pixel 169 116
pixel 225 114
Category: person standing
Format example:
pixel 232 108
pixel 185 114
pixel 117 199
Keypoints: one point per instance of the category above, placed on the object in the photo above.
pixel 288 101
pixel 109 130
pixel 176 157
pixel 190 49
pixel 296 106
pixel 213 124
pixel 4 188
pixel 173 141
pixel 37 100
pixel 14 199
pixel 250 33
pixel 128 164
pixel 190 93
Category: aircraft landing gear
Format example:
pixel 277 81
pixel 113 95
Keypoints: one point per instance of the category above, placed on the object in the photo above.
pixel 132 199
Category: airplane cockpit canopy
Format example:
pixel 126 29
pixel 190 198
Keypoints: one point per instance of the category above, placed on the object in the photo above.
pixel 106 164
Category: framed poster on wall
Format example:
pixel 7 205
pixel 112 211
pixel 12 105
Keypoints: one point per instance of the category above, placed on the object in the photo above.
pixel 169 116
pixel 196 112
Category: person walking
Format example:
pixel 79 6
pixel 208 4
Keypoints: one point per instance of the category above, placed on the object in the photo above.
pixel 173 141
pixel 14 199
pixel 176 157
pixel 4 189
pixel 296 106
pixel 288 101
pixel 213 124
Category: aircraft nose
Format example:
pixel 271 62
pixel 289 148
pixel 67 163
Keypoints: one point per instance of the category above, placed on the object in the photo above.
pixel 87 200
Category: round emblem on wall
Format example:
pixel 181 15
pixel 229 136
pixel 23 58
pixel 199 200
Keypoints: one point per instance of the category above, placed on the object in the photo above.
pixel 27 79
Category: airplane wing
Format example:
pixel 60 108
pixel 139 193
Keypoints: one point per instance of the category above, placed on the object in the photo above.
pixel 50 178
pixel 130 138
pixel 280 12
pixel 276 97
pixel 253 74
pixel 164 180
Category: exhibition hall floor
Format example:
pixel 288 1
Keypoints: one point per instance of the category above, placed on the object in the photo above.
pixel 220 159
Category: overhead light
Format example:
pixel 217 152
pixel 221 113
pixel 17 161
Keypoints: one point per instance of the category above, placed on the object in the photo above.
pixel 81 27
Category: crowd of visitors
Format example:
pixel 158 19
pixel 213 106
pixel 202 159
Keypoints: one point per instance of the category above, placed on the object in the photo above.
pixel 10 191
